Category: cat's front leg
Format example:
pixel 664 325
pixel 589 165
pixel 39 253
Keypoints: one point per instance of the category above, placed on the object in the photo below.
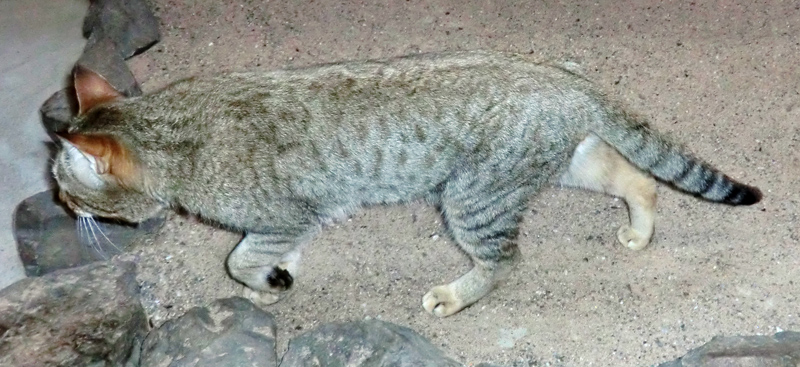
pixel 445 300
pixel 268 263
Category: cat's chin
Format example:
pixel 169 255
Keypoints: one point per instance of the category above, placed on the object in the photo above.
pixel 142 218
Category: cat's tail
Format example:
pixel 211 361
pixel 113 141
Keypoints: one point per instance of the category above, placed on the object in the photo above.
pixel 670 163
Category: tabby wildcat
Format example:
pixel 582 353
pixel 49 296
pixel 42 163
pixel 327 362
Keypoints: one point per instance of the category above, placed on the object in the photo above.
pixel 278 154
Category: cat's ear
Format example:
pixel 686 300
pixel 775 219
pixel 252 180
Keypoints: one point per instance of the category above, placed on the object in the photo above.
pixel 92 89
pixel 105 154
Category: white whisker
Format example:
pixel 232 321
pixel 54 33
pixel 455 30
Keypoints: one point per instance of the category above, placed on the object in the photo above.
pixel 79 228
pixel 99 229
pixel 96 240
pixel 84 233
pixel 83 236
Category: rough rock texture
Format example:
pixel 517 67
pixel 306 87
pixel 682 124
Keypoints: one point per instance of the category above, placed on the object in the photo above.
pixel 779 350
pixel 103 57
pixel 116 30
pixel 58 110
pixel 76 317
pixel 227 332
pixel 128 23
pixel 49 238
pixel 370 343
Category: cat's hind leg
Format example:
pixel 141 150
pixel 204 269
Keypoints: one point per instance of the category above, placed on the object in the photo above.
pixel 484 223
pixel 268 262
pixel 598 167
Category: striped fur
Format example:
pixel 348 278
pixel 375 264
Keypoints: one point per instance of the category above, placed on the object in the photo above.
pixel 648 151
pixel 278 155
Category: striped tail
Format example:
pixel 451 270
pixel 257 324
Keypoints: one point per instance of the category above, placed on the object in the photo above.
pixel 650 152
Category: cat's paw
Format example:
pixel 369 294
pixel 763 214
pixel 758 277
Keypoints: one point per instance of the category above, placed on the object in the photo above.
pixel 279 279
pixel 631 238
pixel 442 302
pixel 277 284
pixel 261 299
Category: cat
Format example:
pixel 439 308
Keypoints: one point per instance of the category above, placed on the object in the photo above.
pixel 278 154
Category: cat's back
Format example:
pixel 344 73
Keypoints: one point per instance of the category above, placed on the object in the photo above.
pixel 459 85
pixel 392 74
pixel 449 95
pixel 463 97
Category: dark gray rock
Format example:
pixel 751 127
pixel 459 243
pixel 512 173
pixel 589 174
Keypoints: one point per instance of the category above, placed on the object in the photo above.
pixel 58 110
pixel 116 30
pixel 102 56
pixel 77 317
pixel 228 332
pixel 128 23
pixel 370 343
pixel 779 350
pixel 48 236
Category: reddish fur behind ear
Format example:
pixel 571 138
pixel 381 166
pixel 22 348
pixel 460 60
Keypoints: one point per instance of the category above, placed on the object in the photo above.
pixel 92 89
pixel 110 155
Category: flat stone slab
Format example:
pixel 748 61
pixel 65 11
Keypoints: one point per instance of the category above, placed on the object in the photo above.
pixel 779 350
pixel 49 237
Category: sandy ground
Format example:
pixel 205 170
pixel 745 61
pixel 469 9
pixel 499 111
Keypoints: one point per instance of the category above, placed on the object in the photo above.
pixel 721 76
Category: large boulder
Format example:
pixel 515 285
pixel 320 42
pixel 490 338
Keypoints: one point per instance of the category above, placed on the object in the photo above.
pixel 77 317
pixel 227 332
pixel 779 350
pixel 370 343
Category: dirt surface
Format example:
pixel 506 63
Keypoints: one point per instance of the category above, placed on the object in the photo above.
pixel 720 76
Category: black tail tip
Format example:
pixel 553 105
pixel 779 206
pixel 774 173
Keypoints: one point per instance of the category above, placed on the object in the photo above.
pixel 744 195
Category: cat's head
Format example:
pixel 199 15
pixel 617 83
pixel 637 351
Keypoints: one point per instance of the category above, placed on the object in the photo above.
pixel 97 174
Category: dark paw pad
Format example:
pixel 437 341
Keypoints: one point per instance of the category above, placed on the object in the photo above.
pixel 280 279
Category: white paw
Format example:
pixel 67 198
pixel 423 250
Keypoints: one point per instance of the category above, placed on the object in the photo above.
pixel 631 238
pixel 441 301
